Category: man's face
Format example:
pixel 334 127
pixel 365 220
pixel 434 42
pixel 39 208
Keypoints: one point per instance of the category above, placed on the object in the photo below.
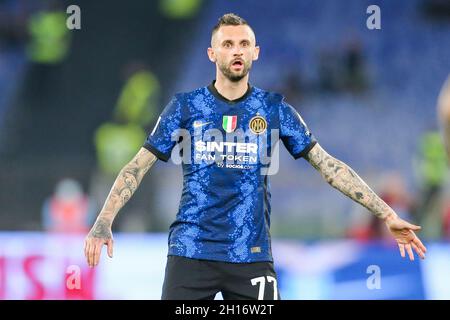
pixel 233 49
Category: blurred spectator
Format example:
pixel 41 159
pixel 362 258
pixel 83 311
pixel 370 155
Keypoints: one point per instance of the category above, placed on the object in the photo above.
pixel 327 71
pixel 446 220
pixel 354 75
pixel 138 101
pixel 13 23
pixel 432 169
pixel 49 37
pixel 116 144
pixel 179 9
pixel 396 195
pixel 443 109
pixel 437 8
pixel 68 210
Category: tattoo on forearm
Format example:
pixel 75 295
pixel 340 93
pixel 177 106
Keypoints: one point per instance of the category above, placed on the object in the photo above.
pixel 126 184
pixel 343 178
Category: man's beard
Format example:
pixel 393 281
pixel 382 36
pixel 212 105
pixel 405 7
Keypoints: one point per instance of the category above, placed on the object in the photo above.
pixel 232 76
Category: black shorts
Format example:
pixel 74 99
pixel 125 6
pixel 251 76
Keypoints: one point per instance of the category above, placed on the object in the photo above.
pixel 193 279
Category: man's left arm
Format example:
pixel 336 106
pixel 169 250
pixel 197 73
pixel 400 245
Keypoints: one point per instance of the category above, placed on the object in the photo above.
pixel 341 177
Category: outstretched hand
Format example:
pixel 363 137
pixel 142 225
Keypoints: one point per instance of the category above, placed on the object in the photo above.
pixel 99 235
pixel 403 233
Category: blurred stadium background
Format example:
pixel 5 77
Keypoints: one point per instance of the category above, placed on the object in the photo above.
pixel 76 105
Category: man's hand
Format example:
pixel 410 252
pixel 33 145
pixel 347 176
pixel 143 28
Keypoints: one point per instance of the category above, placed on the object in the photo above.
pixel 403 233
pixel 344 179
pixel 99 235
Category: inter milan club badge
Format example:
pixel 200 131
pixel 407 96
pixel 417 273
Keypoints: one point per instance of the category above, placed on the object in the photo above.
pixel 229 123
pixel 258 124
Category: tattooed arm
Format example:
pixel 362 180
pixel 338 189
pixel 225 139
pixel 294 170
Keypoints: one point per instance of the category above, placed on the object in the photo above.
pixel 122 190
pixel 343 178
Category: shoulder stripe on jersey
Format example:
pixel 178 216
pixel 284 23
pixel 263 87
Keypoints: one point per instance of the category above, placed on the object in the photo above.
pixel 156 126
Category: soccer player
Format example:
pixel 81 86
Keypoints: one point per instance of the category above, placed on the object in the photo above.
pixel 444 114
pixel 220 241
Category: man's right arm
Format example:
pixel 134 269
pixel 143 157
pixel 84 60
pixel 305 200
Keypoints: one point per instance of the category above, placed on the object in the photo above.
pixel 122 190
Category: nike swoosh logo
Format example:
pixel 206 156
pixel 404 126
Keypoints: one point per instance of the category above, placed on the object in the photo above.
pixel 200 124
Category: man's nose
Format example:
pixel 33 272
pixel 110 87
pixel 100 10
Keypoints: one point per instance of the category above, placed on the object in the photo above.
pixel 237 51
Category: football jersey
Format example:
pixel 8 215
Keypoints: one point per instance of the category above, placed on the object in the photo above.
pixel 225 148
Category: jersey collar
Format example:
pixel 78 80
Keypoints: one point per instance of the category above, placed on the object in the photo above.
pixel 216 94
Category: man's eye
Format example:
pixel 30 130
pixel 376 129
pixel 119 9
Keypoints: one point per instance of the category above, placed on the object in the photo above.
pixel 245 44
pixel 227 45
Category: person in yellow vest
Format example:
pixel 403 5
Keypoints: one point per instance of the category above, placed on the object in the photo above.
pixel 49 37
pixel 444 115
pixel 443 108
pixel 432 168
pixel 179 9
pixel 116 144
pixel 138 101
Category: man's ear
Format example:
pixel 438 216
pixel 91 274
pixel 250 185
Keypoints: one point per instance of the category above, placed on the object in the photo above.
pixel 211 55
pixel 256 53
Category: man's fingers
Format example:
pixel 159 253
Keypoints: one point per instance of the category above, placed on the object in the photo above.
pixel 420 244
pixel 410 252
pixel 414 227
pixel 417 249
pixel 98 251
pixel 110 244
pixel 401 246
pixel 88 248
pixel 93 250
pixel 91 254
